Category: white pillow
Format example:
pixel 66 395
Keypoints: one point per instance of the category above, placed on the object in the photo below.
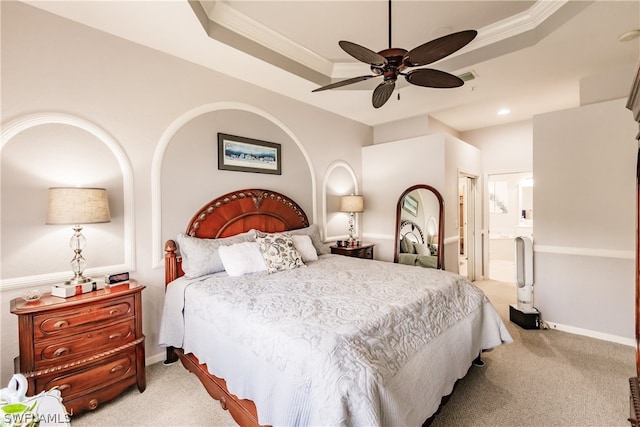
pixel 200 256
pixel 304 245
pixel 242 258
pixel 313 231
pixel 422 248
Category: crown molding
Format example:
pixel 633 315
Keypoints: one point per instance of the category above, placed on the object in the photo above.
pixel 222 14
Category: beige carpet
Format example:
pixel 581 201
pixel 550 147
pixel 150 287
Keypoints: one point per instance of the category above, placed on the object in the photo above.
pixel 545 378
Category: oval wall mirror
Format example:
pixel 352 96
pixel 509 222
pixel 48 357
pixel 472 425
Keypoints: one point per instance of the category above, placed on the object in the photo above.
pixel 420 227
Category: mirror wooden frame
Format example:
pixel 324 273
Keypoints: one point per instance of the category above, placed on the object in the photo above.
pixel 440 262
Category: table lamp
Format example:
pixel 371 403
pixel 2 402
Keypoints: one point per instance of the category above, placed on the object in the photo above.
pixel 351 204
pixel 77 206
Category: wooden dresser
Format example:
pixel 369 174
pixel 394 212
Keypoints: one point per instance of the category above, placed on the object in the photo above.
pixel 90 346
pixel 633 104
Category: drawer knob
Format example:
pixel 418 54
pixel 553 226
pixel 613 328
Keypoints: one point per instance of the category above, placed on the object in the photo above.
pixel 115 336
pixel 62 350
pixel 223 403
pixel 64 387
pixel 93 404
pixel 61 324
pixel 117 368
pixel 114 311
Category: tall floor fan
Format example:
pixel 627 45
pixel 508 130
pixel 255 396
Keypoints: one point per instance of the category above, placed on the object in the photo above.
pixel 524 314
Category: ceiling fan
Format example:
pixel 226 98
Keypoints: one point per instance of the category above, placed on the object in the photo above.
pixel 392 62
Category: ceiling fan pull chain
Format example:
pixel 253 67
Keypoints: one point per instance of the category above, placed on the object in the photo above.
pixel 389 24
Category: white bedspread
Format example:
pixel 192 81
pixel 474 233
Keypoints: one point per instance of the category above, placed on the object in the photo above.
pixel 334 336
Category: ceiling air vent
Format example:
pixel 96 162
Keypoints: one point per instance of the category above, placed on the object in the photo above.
pixel 469 75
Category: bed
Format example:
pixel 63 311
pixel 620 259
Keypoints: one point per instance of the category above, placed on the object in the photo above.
pixel 413 248
pixel 311 338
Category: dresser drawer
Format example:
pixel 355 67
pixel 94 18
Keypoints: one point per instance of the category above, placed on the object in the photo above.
pixel 99 375
pixel 63 349
pixel 82 317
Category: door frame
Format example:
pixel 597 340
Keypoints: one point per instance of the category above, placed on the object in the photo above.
pixel 472 209
pixel 489 227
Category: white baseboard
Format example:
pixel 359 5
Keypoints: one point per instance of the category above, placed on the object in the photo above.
pixel 593 334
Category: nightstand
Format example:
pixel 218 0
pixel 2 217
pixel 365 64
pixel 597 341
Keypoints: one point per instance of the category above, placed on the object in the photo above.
pixel 363 251
pixel 90 346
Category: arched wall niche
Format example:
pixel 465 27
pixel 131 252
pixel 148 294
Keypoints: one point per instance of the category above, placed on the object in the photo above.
pixel 54 150
pixel 187 159
pixel 339 180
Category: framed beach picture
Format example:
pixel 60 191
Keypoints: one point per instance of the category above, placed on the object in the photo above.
pixel 237 153
pixel 410 205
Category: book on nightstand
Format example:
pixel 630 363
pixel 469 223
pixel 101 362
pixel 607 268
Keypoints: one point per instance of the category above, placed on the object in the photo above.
pixel 65 291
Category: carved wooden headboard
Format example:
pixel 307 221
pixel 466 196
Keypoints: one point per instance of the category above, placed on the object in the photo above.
pixel 411 230
pixel 235 213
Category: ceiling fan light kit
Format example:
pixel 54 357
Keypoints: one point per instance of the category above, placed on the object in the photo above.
pixel 392 62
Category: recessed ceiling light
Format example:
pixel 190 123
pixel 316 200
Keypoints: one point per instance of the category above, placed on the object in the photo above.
pixel 629 35
pixel 503 111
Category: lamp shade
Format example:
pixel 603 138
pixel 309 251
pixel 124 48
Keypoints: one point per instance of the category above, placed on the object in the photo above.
pixel 352 204
pixel 77 206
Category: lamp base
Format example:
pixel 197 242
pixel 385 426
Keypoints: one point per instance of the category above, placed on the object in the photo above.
pixel 78 280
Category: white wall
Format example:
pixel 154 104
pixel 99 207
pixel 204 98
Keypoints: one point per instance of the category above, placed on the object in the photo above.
pixel 410 128
pixel 460 158
pixel 25 158
pixel 505 148
pixel 583 162
pixel 387 171
pixel 584 171
pixel 154 105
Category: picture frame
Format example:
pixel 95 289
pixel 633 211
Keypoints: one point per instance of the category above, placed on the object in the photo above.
pixel 237 153
pixel 410 205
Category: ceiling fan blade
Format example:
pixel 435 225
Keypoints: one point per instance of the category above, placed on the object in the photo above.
pixel 363 54
pixel 343 83
pixel 428 77
pixel 382 93
pixel 439 48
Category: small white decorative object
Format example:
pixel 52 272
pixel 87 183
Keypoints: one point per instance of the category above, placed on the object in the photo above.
pixel 16 390
pixel 43 410
pixel 31 295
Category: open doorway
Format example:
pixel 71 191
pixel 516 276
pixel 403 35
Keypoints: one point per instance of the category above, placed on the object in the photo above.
pixel 467 220
pixel 510 216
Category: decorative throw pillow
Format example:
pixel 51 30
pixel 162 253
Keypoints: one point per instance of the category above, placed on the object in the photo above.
pixel 304 245
pixel 279 251
pixel 242 258
pixel 313 231
pixel 200 256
